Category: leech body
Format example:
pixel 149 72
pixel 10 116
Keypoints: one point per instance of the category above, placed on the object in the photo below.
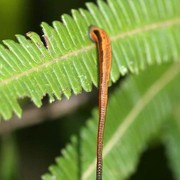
pixel 104 54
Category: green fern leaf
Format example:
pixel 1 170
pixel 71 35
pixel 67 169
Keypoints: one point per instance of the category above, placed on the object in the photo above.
pixel 171 141
pixel 137 113
pixel 142 34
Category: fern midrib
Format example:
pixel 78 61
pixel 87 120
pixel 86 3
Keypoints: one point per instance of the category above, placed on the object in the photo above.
pixel 146 28
pixel 156 87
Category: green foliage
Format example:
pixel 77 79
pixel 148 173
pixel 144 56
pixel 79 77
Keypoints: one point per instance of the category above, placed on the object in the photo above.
pixel 12 17
pixel 171 140
pixel 8 158
pixel 137 113
pixel 142 34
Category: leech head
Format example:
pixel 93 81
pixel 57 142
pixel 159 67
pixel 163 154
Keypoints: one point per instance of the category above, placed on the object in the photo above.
pixel 93 33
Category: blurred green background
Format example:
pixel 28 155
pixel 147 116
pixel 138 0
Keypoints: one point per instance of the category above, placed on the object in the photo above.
pixel 26 153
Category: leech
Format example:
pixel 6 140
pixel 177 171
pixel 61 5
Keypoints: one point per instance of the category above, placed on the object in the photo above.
pixel 104 55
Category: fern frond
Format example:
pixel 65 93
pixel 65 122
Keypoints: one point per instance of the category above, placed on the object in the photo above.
pixel 142 34
pixel 171 141
pixel 137 113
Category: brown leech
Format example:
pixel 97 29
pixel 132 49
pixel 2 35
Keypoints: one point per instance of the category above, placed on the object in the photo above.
pixel 104 54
